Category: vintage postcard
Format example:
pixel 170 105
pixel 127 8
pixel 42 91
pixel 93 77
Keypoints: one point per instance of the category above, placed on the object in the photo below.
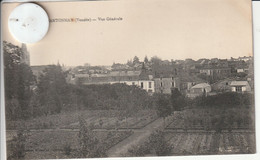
pixel 131 78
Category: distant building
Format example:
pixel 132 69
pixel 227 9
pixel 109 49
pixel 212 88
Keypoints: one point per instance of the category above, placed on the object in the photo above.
pixel 166 84
pixel 240 86
pixel 220 72
pixel 222 86
pixel 240 70
pixel 187 81
pixel 38 70
pixel 142 79
pixel 199 90
pixel 245 58
pixel 210 71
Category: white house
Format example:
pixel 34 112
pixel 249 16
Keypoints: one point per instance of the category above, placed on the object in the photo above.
pixel 240 86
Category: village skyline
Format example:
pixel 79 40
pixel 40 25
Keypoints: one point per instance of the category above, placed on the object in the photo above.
pixel 125 61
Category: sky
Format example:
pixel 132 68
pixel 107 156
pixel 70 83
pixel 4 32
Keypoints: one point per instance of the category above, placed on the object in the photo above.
pixel 169 29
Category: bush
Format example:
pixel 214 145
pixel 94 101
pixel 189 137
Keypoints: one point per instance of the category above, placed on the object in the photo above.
pixel 16 148
pixel 155 144
pixel 227 100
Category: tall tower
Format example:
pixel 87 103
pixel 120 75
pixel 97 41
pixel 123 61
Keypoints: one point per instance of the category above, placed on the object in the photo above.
pixel 25 57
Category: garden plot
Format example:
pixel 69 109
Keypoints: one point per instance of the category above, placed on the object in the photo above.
pixel 56 140
pixel 210 143
pixel 98 118
pixel 39 144
pixel 196 144
pixel 106 121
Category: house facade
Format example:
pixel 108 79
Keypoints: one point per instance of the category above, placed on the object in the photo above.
pixel 166 84
pixel 216 71
pixel 240 86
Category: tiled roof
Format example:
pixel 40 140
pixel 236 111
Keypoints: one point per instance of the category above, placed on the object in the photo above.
pixel 239 83
pixel 201 85
pixel 190 78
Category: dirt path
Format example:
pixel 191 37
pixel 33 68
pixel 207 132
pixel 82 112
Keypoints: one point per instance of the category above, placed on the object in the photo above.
pixel 136 138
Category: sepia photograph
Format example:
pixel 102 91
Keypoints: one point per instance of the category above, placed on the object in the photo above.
pixel 131 78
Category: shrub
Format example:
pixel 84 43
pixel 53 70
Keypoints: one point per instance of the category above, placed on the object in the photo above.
pixel 17 146
pixel 67 149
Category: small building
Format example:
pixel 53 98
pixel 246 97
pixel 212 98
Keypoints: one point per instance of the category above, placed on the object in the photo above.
pixel 240 70
pixel 240 86
pixel 166 84
pixel 222 85
pixel 199 90
pixel 216 71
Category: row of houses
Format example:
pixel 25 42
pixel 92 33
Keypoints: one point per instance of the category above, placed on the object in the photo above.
pixel 188 85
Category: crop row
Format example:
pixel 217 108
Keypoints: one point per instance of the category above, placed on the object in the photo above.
pixel 211 143
pixel 99 118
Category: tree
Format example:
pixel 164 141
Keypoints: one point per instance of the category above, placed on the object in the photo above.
pixel 178 101
pixel 146 60
pixel 155 143
pixel 159 144
pixel 52 89
pixel 87 139
pixel 164 108
pixel 129 62
pixel 136 60
pixel 89 147
pixel 18 79
pixel 156 60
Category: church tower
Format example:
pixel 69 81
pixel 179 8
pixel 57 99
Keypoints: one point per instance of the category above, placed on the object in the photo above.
pixel 25 57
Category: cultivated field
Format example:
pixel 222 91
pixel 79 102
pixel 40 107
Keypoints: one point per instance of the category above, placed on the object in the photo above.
pixel 102 119
pixel 188 143
pixel 40 144
pixel 48 136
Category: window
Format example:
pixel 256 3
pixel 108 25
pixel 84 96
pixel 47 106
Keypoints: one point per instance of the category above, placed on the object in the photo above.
pixel 172 78
pixel 173 84
pixel 238 89
pixel 133 83
pixel 150 84
pixel 161 84
pixel 142 85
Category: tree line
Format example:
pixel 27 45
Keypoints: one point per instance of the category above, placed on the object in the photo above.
pixel 28 97
pixel 50 94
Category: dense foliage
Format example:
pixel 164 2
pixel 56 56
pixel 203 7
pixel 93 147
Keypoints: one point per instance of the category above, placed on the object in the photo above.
pixel 18 79
pixel 228 100
pixel 89 144
pixel 52 90
pixel 16 147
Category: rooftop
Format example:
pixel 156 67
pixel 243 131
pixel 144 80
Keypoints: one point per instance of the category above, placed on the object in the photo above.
pixel 239 83
pixel 201 85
